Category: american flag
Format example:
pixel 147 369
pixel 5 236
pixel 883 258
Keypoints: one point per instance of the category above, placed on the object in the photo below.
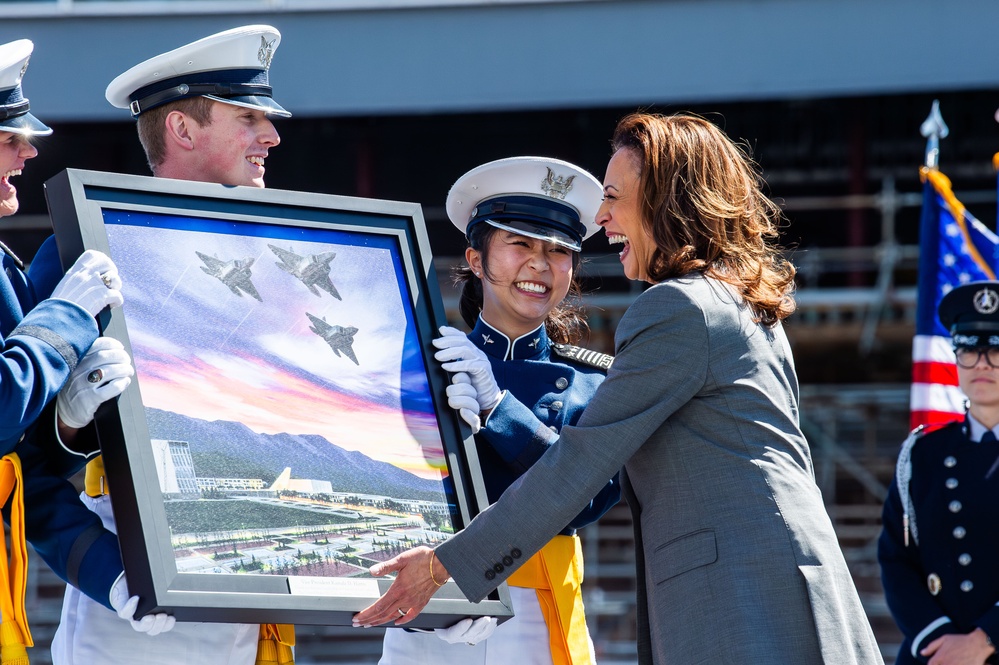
pixel 954 248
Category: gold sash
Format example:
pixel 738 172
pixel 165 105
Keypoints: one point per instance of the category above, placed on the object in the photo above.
pixel 556 573
pixel 14 633
pixel 274 647
pixel 95 483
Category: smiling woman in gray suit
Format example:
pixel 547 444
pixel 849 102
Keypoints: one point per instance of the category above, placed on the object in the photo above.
pixel 737 559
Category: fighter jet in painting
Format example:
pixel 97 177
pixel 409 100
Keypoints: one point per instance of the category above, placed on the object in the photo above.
pixel 313 270
pixel 235 274
pixel 338 337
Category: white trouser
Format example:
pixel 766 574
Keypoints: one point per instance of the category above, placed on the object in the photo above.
pixel 523 640
pixel 91 634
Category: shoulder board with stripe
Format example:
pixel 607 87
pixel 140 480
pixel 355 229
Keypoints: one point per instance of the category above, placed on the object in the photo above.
pixel 584 356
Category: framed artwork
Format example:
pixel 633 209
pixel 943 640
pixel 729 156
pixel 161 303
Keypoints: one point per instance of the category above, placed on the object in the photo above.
pixel 286 428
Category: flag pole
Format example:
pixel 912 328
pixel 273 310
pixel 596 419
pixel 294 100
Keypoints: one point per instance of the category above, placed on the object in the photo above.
pixel 933 129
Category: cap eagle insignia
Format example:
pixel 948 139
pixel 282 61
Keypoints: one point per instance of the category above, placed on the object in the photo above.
pixel 265 52
pixel 556 186
pixel 986 301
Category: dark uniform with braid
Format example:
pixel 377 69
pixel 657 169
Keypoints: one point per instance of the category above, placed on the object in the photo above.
pixel 940 542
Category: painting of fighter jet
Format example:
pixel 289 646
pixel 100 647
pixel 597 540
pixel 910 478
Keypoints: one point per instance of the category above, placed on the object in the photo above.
pixel 339 338
pixel 313 270
pixel 235 274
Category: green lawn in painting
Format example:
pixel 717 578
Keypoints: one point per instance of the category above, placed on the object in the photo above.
pixel 231 515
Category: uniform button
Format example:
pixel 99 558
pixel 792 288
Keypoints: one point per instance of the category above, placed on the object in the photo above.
pixel 960 532
pixel 562 383
pixel 954 506
pixel 950 461
pixel 967 586
pixel 964 559
pixel 508 561
pixel 553 428
pixel 951 483
pixel 490 575
pixel 555 406
pixel 498 568
pixel 515 553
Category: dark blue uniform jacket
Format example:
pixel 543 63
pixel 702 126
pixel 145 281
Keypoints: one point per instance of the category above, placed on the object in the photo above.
pixel 43 341
pixel 955 503
pixel 545 391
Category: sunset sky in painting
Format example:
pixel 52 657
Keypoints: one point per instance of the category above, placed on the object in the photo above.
pixel 204 352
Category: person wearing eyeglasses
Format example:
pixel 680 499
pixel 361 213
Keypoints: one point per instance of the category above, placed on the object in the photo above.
pixel 939 544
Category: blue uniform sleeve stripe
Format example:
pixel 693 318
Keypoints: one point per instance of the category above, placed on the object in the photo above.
pixel 64 348
pixel 926 631
pixel 79 550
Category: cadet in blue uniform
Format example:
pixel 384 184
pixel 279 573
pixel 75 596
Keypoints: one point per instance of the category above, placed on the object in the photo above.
pixel 940 543
pixel 524 218
pixel 208 120
pixel 50 347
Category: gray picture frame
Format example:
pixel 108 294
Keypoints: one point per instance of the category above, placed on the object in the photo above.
pixel 117 214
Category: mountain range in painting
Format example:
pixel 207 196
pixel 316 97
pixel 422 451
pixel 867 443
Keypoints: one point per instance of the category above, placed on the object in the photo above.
pixel 222 449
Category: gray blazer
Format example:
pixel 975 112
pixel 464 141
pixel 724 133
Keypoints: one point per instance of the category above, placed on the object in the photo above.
pixel 738 560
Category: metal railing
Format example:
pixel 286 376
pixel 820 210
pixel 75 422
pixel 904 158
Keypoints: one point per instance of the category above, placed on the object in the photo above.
pixel 42 8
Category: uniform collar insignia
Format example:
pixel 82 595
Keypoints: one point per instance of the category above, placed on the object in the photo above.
pixel 266 52
pixel 532 346
pixel 556 186
pixel 494 343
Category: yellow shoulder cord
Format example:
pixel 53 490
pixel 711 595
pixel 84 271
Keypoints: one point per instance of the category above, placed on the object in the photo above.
pixel 556 573
pixel 14 633
pixel 95 483
pixel 274 646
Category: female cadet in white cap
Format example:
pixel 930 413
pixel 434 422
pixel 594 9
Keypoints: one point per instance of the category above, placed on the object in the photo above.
pixel 524 218
pixel 939 544
pixel 50 345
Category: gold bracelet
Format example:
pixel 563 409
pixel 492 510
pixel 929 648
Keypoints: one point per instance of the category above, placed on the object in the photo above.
pixel 432 578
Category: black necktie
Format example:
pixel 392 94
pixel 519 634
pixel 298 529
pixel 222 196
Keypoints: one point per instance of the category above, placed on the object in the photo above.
pixel 988 437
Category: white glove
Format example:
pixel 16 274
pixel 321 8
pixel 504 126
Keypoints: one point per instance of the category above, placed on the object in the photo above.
pixel 151 624
pixel 103 373
pixel 458 354
pixel 461 398
pixel 92 283
pixel 468 631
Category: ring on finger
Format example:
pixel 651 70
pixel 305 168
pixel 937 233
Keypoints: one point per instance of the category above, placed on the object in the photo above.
pixel 401 612
pixel 95 376
pixel 106 278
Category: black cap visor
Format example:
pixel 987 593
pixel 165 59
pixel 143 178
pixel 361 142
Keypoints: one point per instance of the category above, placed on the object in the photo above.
pixel 532 230
pixel 25 125
pixel 256 102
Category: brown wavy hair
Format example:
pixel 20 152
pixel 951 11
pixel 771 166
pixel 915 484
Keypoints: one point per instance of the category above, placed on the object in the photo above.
pixel 565 324
pixel 704 207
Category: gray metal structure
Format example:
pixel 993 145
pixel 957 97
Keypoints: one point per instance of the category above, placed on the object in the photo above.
pixel 358 57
